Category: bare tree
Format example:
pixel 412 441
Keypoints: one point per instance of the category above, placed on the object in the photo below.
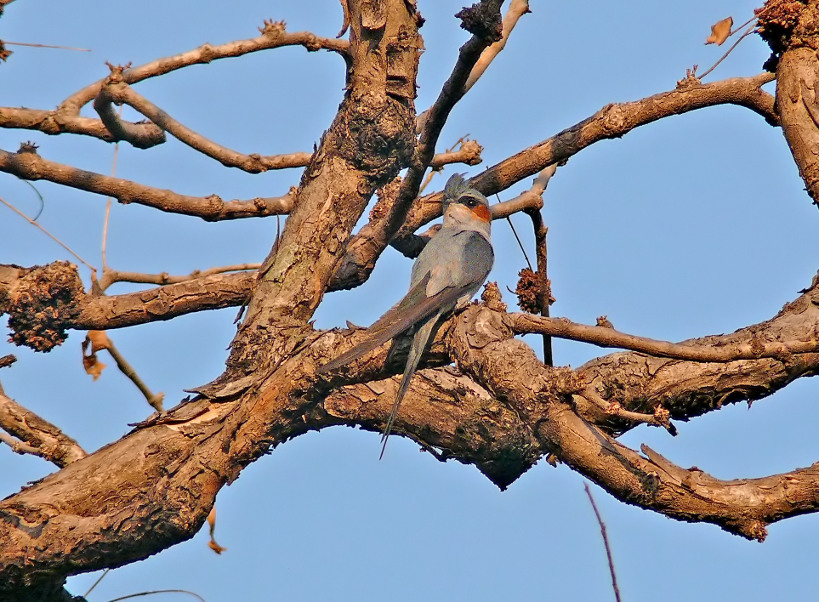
pixel 505 407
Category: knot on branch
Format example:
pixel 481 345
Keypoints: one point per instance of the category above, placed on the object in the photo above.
pixel 43 301
pixel 115 77
pixel 375 135
pixel 483 19
pixel 529 291
pixel 27 147
pixel 4 52
pixel 777 24
pixel 273 28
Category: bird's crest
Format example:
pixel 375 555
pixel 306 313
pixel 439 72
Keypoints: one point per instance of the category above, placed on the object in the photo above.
pixel 456 188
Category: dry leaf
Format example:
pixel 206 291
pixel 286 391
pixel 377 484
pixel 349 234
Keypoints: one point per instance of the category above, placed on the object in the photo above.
pixel 720 31
pixel 212 522
pixel 92 365
pixel 99 340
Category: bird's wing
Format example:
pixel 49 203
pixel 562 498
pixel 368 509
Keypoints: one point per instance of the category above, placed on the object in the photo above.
pixel 462 261
pixel 413 310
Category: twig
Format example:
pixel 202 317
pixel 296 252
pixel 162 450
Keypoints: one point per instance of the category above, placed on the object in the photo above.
pixel 34 435
pixel 729 51
pixel 108 208
pixel 608 337
pixel 46 46
pixel 49 234
pixel 520 243
pixel 30 166
pixel 469 153
pixel 5 362
pixel 109 276
pixel 659 418
pixel 154 400
pixel 19 447
pixel 158 591
pixel 96 583
pixel 544 294
pixel 605 543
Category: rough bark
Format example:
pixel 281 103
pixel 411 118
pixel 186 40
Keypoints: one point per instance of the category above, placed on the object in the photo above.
pixel 502 409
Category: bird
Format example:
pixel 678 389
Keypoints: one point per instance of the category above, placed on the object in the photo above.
pixel 448 272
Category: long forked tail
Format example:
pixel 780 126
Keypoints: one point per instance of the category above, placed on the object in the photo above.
pixel 419 343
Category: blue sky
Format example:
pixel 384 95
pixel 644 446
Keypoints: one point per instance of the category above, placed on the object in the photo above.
pixel 695 225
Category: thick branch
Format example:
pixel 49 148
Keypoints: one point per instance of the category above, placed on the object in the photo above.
pixel 57 122
pixel 44 301
pixel 797 99
pixel 514 375
pixel 366 246
pixel 369 142
pixel 526 416
pixel 28 165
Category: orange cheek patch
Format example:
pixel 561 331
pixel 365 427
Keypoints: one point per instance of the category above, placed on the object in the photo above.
pixel 482 213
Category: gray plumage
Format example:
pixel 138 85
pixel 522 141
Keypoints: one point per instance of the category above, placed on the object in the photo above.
pixel 449 270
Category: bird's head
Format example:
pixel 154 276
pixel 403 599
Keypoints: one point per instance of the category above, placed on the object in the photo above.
pixel 465 205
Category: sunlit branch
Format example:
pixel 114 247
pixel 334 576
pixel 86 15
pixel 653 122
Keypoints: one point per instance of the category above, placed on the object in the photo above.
pixel 31 434
pixel 374 237
pixel 28 165
pixel 517 8
pixel 119 92
pixel 608 337
pixel 273 35
pixel 612 121
pixel 110 276
pixel 57 122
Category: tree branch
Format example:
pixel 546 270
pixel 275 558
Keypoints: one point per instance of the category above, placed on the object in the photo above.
pixel 703 352
pixel 44 301
pixel 118 92
pixel 28 165
pixel 612 121
pixel 484 21
pixel 273 35
pixel 35 435
pixel 517 8
pixel 525 416
pixel 56 122
pixel 110 276
pixel 513 374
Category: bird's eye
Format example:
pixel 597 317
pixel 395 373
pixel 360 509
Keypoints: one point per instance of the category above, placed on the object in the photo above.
pixel 470 202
